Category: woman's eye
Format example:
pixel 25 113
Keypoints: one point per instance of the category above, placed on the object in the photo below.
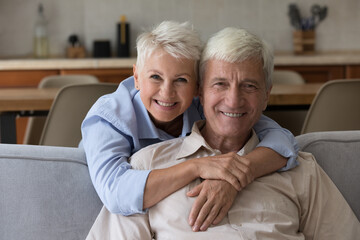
pixel 155 76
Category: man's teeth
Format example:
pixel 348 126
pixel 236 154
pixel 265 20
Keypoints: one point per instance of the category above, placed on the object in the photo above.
pixel 234 115
pixel 164 104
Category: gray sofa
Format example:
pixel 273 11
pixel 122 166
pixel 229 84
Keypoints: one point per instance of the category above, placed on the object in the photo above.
pixel 46 192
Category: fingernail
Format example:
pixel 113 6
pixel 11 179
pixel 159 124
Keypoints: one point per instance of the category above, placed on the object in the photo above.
pixel 191 221
pixel 195 228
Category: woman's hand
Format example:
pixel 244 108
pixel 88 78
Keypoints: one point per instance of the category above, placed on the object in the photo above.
pixel 215 197
pixel 229 167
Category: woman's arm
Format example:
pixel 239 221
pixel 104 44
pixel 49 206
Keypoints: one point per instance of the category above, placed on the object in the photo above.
pixel 280 140
pixel 119 187
pixel 128 191
pixel 163 182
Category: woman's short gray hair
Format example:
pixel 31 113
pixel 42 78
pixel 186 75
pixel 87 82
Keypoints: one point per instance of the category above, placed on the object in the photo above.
pixel 236 45
pixel 180 40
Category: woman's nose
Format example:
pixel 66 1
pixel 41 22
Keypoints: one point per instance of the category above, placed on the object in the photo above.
pixel 167 90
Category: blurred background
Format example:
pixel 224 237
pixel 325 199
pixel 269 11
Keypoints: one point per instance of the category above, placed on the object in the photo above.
pixel 96 20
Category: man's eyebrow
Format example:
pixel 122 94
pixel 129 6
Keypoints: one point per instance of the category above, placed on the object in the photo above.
pixel 247 80
pixel 218 79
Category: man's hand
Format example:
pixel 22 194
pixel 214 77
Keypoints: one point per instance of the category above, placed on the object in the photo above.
pixel 215 197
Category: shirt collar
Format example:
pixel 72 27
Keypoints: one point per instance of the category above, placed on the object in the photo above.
pixel 195 141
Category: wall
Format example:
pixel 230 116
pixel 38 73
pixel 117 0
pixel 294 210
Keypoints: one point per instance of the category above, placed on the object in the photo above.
pixel 94 19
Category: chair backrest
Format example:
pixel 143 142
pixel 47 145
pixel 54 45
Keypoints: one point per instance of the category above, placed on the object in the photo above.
pixel 336 107
pixel 58 81
pixel 70 106
pixel 287 77
pixel 291 119
pixel 337 153
pixel 35 125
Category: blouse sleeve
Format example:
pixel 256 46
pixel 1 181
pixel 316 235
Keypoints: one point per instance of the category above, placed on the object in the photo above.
pixel 279 139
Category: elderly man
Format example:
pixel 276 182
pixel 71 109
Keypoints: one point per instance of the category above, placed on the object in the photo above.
pixel 301 203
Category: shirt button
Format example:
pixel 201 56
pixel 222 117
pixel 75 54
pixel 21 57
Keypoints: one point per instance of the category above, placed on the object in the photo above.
pixel 235 226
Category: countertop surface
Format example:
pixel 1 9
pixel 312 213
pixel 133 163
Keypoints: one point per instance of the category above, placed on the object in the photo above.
pixel 322 58
pixel 65 63
pixel 281 59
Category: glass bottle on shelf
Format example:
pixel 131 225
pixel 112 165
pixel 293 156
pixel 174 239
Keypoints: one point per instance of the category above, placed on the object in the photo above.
pixel 41 42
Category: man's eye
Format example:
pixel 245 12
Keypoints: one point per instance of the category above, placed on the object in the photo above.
pixel 182 80
pixel 219 84
pixel 249 87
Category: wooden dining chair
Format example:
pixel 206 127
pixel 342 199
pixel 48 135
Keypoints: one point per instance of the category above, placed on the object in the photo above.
pixel 70 106
pixel 336 107
pixel 35 125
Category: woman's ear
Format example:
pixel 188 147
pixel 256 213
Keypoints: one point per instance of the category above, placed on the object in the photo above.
pixel 136 77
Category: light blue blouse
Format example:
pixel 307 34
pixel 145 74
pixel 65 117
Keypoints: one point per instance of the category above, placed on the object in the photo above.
pixel 118 125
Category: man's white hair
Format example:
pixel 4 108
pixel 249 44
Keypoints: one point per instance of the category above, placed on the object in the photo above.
pixel 236 45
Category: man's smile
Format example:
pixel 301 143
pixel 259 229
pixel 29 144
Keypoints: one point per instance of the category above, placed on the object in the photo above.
pixel 233 115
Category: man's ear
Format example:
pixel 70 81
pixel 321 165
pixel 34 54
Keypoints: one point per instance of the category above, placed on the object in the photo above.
pixel 136 77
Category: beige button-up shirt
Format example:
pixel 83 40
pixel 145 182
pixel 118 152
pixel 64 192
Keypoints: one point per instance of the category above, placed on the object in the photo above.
pixel 302 203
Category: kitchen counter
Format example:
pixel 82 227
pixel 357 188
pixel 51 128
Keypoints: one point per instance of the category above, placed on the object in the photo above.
pixel 64 63
pixel 322 58
pixel 281 59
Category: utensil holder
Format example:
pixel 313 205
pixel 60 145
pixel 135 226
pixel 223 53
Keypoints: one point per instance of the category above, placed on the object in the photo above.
pixel 75 52
pixel 304 42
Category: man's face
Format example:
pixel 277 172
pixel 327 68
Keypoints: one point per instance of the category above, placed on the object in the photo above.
pixel 167 85
pixel 233 96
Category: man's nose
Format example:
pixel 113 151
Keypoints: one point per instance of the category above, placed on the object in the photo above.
pixel 235 97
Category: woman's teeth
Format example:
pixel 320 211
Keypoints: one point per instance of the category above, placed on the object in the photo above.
pixel 164 104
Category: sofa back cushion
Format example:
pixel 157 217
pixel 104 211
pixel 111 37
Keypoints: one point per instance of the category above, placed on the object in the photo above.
pixel 338 153
pixel 46 193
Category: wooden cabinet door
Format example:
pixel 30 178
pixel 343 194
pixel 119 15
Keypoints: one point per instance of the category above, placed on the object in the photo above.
pixel 353 71
pixel 24 78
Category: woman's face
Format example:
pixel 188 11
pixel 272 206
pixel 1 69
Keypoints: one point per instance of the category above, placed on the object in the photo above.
pixel 167 85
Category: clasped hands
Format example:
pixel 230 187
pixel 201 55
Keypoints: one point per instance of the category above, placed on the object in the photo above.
pixel 224 176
